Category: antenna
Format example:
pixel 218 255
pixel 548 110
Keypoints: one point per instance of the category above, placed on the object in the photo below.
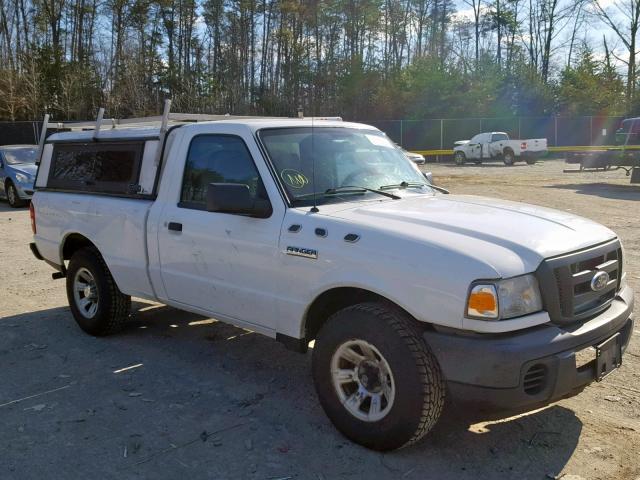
pixel 314 209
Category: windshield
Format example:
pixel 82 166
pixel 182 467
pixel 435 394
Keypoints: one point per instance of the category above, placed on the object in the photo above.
pixel 343 157
pixel 15 156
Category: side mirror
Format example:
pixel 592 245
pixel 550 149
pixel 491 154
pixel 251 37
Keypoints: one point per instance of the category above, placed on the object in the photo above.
pixel 235 198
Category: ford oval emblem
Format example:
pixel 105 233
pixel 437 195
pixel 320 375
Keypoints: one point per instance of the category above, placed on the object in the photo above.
pixel 599 281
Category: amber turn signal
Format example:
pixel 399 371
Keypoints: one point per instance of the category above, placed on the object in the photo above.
pixel 483 302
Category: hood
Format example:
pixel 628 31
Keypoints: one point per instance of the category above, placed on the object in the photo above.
pixel 25 168
pixel 513 238
pixel 461 142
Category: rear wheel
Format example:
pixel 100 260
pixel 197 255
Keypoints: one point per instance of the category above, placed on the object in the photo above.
pixel 531 161
pixel 508 157
pixel 377 380
pixel 459 158
pixel 97 304
pixel 12 196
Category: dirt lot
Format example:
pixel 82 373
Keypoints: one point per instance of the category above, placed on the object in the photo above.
pixel 206 400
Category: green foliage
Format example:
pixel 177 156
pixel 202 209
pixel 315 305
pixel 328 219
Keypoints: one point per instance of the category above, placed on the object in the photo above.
pixel 361 59
pixel 590 87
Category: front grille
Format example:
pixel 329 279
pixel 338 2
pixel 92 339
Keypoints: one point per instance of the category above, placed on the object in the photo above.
pixel 535 379
pixel 565 282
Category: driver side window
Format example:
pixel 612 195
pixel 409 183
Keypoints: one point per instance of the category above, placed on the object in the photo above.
pixel 217 159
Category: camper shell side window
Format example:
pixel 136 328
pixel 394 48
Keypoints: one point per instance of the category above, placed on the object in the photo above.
pixel 105 167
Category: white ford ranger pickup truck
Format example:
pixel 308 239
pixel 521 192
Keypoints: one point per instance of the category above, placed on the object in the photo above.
pixel 323 230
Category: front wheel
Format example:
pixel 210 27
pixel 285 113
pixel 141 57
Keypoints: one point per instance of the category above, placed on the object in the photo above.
pixel 97 304
pixel 12 196
pixel 459 158
pixel 377 380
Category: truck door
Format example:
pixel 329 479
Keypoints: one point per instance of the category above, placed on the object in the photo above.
pixel 217 262
pixel 475 147
pixel 497 143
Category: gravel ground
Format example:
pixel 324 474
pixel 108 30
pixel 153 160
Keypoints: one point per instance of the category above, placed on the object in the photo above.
pixel 179 395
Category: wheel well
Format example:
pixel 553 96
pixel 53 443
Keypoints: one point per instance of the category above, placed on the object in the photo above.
pixel 333 300
pixel 508 149
pixel 73 243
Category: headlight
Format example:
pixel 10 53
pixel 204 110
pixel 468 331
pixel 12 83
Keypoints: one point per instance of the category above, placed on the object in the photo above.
pixel 22 178
pixel 503 299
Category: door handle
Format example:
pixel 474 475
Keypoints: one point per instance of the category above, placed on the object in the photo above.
pixel 175 226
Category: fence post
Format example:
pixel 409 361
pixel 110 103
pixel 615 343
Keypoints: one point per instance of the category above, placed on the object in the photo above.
pixel 401 137
pixel 590 129
pixel 555 129
pixel 519 131
pixel 441 138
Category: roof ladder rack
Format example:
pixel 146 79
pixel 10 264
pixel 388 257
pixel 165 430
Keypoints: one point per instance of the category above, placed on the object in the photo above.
pixel 96 130
pixel 43 137
pixel 160 122
pixel 164 126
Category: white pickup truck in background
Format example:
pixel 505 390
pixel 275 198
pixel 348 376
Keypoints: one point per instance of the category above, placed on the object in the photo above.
pixel 498 146
pixel 323 230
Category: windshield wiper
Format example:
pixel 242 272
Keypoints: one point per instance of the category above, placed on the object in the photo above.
pixel 404 185
pixel 414 185
pixel 358 189
pixel 347 189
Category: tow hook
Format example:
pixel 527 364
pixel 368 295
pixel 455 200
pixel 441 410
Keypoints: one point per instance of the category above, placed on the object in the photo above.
pixel 58 275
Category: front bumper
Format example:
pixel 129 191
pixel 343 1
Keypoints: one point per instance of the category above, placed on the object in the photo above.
pixel 25 191
pixel 489 370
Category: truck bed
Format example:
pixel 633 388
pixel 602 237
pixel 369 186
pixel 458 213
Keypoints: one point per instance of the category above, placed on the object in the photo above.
pixel 107 221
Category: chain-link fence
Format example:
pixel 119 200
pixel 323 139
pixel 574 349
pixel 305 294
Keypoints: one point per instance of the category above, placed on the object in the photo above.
pixel 18 133
pixel 440 134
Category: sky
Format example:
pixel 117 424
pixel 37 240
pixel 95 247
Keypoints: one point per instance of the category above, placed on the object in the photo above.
pixel 591 31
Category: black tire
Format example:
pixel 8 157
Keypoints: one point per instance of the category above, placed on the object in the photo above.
pixel 112 305
pixel 12 196
pixel 459 157
pixel 508 157
pixel 419 385
pixel 531 161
